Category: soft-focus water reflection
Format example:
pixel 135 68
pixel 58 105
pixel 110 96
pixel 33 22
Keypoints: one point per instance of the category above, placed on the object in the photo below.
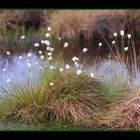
pixel 17 71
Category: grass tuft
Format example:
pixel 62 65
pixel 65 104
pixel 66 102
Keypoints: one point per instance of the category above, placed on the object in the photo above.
pixel 75 99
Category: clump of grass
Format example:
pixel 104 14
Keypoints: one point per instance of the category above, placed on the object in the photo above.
pixel 62 96
pixel 122 61
pixel 72 98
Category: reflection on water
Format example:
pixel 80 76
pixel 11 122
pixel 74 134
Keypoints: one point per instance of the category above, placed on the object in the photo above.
pixel 111 72
pixel 15 71
pixel 115 74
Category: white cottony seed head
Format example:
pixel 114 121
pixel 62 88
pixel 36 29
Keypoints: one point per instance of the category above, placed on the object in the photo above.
pixel 61 69
pixel 22 37
pixel 42 57
pixel 115 34
pixel 51 84
pixel 66 44
pixel 76 64
pixel 48 48
pixel 36 44
pixel 20 57
pixel 113 42
pixel 59 38
pixel 51 49
pixel 100 44
pixel 79 72
pixel 122 32
pixel 92 75
pixel 75 58
pixel 50 58
pixel 40 52
pixel 129 36
pixel 29 55
pixel 85 50
pixel 49 54
pixel 67 67
pixel 52 67
pixel 49 28
pixel 8 53
pixel 42 42
pixel 47 35
pixel 3 70
pixel 126 49
pixel 47 42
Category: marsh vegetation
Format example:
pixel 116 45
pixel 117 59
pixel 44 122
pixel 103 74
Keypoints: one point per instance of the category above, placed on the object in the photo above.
pixel 69 69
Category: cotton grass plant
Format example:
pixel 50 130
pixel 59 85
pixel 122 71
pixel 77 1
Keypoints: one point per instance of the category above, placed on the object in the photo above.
pixel 120 71
pixel 120 68
pixel 63 93
pixel 71 97
pixel 69 91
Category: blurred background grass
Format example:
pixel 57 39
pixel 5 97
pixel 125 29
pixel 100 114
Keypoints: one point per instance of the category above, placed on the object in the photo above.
pixel 83 28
